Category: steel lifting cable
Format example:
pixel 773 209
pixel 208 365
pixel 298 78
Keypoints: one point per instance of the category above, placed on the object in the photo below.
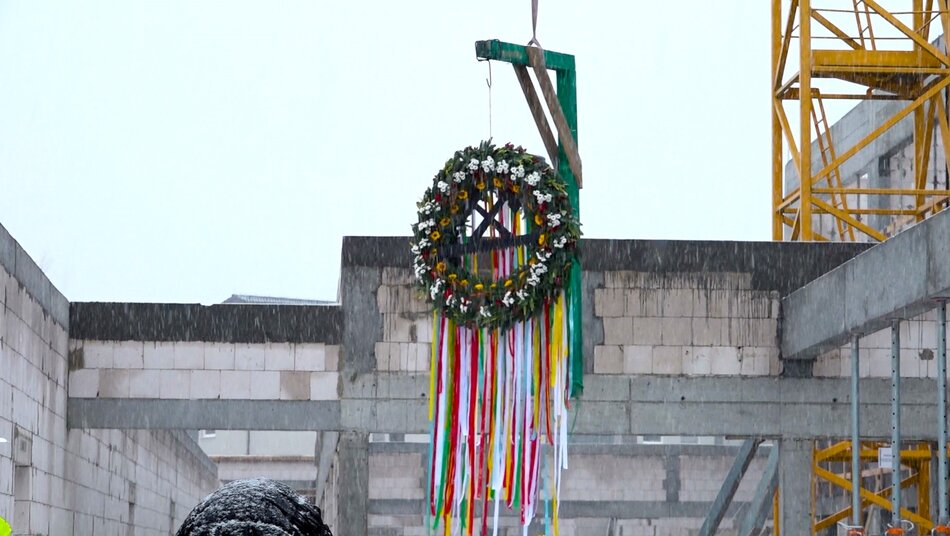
pixel 534 25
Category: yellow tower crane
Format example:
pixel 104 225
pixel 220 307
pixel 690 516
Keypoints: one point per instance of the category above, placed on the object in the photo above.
pixel 856 50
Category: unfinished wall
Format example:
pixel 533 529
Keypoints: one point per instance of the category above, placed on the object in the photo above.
pixel 190 352
pixel 651 309
pixel 90 482
pixel 918 347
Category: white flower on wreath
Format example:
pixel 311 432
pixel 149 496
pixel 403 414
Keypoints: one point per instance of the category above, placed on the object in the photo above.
pixel 463 305
pixel 436 287
pixel 473 164
pixel 501 166
pixel 522 294
pixel 458 176
pixel 443 186
pixel 542 197
pixel 560 242
pixel 488 164
pixel 451 301
pixel 484 312
pixel 533 178
pixel 424 243
pixel 508 300
pixel 554 220
pixel 518 171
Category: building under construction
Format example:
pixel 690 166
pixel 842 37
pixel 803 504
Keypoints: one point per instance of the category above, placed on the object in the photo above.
pixel 789 387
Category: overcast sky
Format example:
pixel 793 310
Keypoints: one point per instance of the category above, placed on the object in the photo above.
pixel 182 151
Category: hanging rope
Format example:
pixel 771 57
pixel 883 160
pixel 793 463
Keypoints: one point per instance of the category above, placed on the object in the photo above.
pixel 488 82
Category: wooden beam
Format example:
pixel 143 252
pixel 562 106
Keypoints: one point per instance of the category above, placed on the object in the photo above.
pixel 537 111
pixel 536 56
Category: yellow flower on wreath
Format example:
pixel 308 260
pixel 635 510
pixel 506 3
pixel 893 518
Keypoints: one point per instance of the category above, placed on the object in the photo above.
pixel 464 282
pixel 444 222
pixel 479 286
pixel 435 235
pixel 463 195
pixel 440 266
pixel 454 209
pixel 541 239
pixel 538 220
pixel 480 185
pixel 498 182
pixel 515 188
pixel 453 277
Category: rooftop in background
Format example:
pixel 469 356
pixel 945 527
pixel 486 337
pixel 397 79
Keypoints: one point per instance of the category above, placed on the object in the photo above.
pixel 271 300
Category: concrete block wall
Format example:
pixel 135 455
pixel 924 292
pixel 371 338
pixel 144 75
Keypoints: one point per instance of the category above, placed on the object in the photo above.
pixel 692 324
pixel 651 309
pixel 918 350
pixel 203 370
pixel 407 324
pixel 56 481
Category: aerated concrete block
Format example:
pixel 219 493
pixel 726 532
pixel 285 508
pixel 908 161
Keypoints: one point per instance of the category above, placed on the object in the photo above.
pixel 219 356
pixel 128 355
pixel 309 357
pixel 608 359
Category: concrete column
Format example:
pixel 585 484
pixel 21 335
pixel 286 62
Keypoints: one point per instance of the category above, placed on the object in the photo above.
pixel 353 491
pixel 795 461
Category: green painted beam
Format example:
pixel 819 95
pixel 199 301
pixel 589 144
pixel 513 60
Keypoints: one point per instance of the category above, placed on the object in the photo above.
pixel 501 51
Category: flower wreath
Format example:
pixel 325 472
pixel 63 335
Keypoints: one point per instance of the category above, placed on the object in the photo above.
pixel 449 278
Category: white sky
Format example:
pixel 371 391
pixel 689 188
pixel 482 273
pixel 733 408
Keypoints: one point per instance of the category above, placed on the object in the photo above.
pixel 182 151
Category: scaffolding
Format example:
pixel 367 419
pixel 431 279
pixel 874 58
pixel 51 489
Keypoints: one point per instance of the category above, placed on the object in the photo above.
pixel 858 51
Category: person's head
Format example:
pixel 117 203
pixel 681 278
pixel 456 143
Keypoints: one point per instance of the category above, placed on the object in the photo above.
pixel 256 507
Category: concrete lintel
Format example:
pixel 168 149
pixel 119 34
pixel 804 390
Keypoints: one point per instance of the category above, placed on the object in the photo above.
pixel 127 414
pixel 742 407
pixel 573 509
pixel 769 407
pixel 900 278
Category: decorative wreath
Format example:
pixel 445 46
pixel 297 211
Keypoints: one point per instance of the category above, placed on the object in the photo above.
pixel 468 192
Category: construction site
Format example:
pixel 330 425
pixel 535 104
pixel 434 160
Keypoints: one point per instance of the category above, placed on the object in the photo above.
pixel 793 387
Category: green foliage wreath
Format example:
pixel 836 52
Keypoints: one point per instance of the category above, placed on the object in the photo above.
pixel 448 273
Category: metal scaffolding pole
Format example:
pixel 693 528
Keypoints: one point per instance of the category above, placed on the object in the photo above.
pixel 896 424
pixel 855 435
pixel 944 519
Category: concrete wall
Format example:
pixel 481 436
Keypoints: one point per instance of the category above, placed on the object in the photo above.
pixel 90 482
pixel 194 370
pixel 651 309
pixel 918 347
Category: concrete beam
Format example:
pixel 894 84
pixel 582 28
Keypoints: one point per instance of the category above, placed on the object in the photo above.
pixel 129 414
pixel 574 509
pixel 763 407
pixel 900 278
pixel 743 407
